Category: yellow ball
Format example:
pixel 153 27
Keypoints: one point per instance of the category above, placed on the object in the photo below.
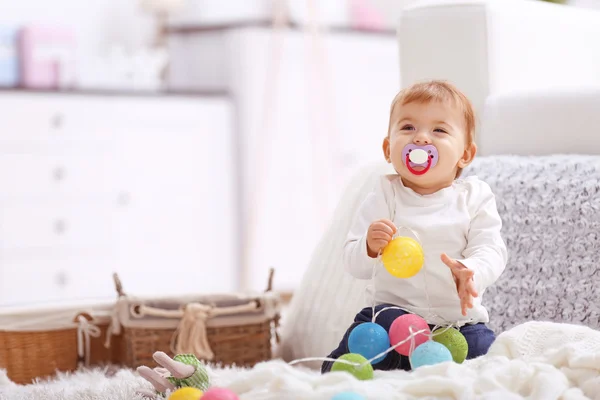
pixel 403 257
pixel 186 393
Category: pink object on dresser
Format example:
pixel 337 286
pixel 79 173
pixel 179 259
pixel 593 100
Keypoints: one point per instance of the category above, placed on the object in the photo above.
pixel 47 57
pixel 365 16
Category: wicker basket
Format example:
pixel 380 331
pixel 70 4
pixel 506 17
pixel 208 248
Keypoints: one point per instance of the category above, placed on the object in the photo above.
pixel 38 343
pixel 227 329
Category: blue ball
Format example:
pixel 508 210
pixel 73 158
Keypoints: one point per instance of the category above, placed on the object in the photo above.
pixel 429 353
pixel 368 340
pixel 347 396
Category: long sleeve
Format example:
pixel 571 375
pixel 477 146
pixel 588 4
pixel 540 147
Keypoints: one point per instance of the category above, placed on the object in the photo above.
pixel 376 206
pixel 486 252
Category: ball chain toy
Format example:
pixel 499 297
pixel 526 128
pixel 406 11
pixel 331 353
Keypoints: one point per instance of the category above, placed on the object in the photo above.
pixel 357 365
pixel 369 339
pixel 403 257
pixel 401 331
pixel 454 341
pixel 410 334
pixel 186 393
pixel 429 353
pixel 219 394
pixel 348 396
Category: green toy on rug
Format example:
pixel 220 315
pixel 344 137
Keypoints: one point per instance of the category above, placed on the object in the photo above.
pixel 183 377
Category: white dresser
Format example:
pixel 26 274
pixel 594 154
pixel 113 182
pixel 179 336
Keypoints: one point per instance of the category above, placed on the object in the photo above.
pixel 92 184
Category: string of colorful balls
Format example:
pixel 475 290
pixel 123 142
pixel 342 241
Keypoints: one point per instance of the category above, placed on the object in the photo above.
pixel 409 334
pixel 369 343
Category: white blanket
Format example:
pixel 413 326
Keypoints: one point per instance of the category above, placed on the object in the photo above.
pixel 536 360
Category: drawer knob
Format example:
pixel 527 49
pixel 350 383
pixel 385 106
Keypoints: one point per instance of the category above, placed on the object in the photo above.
pixel 61 279
pixel 60 226
pixel 123 199
pixel 58 174
pixel 57 121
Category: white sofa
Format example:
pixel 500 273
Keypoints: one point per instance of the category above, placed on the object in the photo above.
pixel 494 47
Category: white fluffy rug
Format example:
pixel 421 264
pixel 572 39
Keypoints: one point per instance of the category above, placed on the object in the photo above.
pixel 536 360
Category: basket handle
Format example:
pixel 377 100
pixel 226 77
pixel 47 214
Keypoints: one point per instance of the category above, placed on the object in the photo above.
pixel 140 311
pixel 118 285
pixel 270 281
pixel 276 319
pixel 85 315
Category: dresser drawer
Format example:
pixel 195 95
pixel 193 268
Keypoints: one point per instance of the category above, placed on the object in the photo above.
pixel 43 280
pixel 55 175
pixel 54 120
pixel 27 229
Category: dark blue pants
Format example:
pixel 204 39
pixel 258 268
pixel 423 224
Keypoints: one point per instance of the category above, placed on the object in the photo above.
pixel 479 338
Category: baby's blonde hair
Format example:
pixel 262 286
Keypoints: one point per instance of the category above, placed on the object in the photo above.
pixel 438 91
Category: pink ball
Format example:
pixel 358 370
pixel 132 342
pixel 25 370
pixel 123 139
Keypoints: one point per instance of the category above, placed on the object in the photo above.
pixel 399 331
pixel 219 394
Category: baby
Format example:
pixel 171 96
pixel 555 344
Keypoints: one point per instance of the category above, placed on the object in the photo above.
pixel 429 142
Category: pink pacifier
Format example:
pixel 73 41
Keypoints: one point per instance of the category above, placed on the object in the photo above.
pixel 419 156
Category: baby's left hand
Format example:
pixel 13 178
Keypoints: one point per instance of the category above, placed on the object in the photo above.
pixel 463 277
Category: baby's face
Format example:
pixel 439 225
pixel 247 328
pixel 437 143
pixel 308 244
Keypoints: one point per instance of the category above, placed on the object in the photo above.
pixel 436 133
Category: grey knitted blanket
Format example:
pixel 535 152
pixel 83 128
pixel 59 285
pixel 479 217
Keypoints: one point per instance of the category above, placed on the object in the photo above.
pixel 550 207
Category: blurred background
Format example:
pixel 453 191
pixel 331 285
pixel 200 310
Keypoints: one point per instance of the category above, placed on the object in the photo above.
pixel 187 145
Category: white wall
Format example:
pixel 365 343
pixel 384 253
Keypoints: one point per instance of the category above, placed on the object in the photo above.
pixel 585 3
pixel 98 25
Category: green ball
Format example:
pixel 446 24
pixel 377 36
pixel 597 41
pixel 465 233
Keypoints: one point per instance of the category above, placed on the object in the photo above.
pixel 454 341
pixel 363 373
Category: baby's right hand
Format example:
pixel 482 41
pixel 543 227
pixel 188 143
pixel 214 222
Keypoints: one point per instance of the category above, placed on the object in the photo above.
pixel 379 235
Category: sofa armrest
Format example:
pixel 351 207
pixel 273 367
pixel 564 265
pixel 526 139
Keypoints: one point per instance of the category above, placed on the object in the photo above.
pixel 541 122
pixel 487 46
